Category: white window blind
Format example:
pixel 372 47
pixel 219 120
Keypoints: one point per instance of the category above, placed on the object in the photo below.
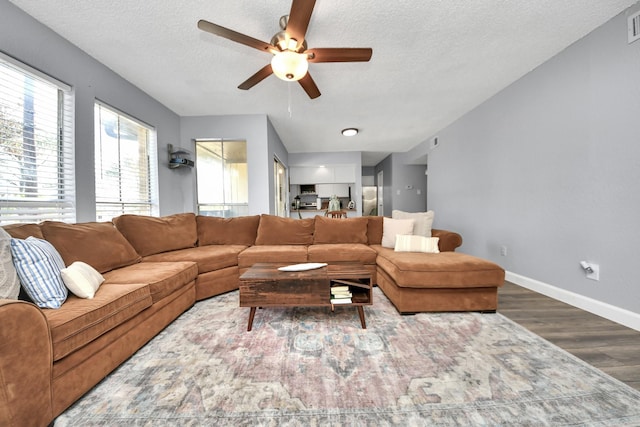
pixel 36 146
pixel 125 165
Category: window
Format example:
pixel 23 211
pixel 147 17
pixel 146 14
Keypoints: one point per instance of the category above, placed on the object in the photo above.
pixel 222 180
pixel 36 146
pixel 126 172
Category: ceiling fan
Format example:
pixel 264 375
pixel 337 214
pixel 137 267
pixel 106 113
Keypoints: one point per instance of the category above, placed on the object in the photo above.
pixel 291 57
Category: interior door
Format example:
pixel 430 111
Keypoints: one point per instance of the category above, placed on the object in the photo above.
pixel 280 183
pixel 380 185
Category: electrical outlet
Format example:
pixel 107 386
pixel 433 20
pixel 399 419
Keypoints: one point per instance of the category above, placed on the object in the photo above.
pixel 503 251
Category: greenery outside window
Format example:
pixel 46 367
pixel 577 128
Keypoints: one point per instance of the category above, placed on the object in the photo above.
pixel 125 165
pixel 222 177
pixel 37 180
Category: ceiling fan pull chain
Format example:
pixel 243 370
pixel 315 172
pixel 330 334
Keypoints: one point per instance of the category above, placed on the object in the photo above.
pixel 289 107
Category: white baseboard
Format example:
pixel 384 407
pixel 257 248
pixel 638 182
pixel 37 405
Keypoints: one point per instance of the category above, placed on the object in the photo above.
pixel 602 309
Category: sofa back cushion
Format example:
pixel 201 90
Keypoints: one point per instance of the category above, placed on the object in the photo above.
pixel 275 230
pixel 338 230
pixel 22 231
pixel 375 229
pixel 98 244
pixel 151 235
pixel 240 230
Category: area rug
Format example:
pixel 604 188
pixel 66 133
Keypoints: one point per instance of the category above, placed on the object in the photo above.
pixel 314 367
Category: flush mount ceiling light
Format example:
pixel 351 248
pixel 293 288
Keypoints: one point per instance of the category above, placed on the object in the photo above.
pixel 350 132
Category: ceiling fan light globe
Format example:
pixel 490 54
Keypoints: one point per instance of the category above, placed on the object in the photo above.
pixel 289 66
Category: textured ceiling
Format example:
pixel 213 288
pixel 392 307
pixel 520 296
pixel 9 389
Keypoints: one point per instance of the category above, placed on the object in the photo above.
pixel 433 60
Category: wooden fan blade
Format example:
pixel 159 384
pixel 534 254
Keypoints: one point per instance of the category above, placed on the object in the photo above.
pixel 309 86
pixel 264 72
pixel 235 36
pixel 299 17
pixel 339 54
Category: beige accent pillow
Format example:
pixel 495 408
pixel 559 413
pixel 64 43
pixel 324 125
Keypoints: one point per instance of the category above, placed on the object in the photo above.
pixel 392 227
pixel 407 243
pixel 423 221
pixel 81 279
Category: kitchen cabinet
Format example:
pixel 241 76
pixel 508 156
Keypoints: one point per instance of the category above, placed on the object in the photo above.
pixel 310 175
pixel 327 190
pixel 344 173
pixel 322 174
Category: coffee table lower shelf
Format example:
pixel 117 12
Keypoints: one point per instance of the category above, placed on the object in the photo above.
pixel 263 285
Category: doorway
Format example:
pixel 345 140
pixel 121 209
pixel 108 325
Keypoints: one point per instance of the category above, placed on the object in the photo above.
pixel 279 182
pixel 380 184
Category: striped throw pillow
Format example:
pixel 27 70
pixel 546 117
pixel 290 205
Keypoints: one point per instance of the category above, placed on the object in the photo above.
pixel 408 243
pixel 38 265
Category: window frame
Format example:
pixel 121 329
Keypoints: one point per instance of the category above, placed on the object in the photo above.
pixel 118 206
pixel 225 208
pixel 58 204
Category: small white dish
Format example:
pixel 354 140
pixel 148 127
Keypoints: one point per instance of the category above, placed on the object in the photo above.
pixel 303 266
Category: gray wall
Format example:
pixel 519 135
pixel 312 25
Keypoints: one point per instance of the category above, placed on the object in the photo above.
pixel 32 43
pixel 277 150
pixel 399 173
pixel 550 168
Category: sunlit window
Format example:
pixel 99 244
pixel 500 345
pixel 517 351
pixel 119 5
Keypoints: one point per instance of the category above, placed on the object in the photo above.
pixel 126 176
pixel 36 146
pixel 222 180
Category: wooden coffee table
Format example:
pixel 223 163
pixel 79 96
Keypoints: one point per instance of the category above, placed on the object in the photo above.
pixel 263 285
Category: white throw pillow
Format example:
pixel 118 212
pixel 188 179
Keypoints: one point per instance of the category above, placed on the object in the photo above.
pixel 423 221
pixel 82 279
pixel 9 282
pixel 405 243
pixel 392 227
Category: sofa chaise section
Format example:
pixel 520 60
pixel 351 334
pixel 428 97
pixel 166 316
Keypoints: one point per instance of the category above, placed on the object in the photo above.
pixel 445 281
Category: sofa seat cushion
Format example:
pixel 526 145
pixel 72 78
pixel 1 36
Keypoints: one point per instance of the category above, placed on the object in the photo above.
pixel 342 252
pixel 290 254
pixel 441 270
pixel 80 321
pixel 209 258
pixel 163 278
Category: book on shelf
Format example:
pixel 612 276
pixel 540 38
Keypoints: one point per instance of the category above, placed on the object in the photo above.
pixel 340 288
pixel 340 300
pixel 341 294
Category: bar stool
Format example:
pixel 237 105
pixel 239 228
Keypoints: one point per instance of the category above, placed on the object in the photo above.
pixel 336 214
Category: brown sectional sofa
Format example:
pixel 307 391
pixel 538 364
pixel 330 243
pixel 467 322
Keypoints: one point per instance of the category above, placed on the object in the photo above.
pixel 157 268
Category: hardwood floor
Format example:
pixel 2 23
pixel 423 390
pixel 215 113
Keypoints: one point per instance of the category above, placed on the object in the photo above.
pixel 608 346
